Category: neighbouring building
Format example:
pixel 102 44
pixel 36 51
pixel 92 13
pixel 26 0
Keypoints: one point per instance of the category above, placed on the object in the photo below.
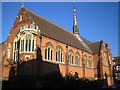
pixel 33 37
pixel 116 68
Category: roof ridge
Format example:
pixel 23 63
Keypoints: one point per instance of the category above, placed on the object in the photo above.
pixel 86 46
pixel 86 40
pixel 95 42
pixel 49 21
pixel 59 27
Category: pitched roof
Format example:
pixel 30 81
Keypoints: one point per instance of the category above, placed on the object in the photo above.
pixel 58 33
pixel 95 47
pixel 86 41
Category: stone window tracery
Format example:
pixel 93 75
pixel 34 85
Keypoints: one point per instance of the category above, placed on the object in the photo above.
pixel 89 63
pixel 71 57
pixel 85 60
pixel 59 54
pixel 49 51
pixel 77 59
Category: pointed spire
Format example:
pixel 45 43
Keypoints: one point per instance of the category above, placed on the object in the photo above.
pixel 22 4
pixel 75 23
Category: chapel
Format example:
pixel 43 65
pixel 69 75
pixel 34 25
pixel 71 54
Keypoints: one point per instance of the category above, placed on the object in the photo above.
pixel 33 37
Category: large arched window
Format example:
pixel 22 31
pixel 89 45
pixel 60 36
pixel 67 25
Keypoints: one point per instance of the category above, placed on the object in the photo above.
pixel 89 63
pixel 77 58
pixel 59 54
pixel 27 43
pixel 70 57
pixel 85 60
pixel 29 47
pixel 49 51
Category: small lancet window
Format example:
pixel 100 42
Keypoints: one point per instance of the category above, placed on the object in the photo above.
pixel 21 17
pixel 32 26
pixel 8 51
pixel 26 26
pixel 36 27
pixel 21 28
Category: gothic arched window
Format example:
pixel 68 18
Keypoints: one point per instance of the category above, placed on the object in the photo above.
pixel 89 63
pixel 32 26
pixel 28 42
pixel 49 51
pixel 71 57
pixel 22 45
pixel 21 17
pixel 59 54
pixel 85 60
pixel 77 58
pixel 8 50
pixel 26 26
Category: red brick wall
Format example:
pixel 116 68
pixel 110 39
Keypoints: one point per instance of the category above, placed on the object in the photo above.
pixel 82 71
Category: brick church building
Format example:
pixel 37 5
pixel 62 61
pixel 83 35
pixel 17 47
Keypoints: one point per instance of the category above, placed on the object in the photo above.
pixel 33 37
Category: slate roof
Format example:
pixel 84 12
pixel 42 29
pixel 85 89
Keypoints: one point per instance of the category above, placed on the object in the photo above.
pixel 95 47
pixel 60 34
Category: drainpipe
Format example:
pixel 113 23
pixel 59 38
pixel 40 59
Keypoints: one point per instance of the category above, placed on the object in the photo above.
pixel 67 61
pixel 83 65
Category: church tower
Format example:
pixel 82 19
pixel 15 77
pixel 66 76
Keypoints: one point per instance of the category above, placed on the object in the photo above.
pixel 76 30
pixel 75 23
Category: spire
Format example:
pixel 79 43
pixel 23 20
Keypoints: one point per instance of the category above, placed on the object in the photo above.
pixel 75 23
pixel 22 4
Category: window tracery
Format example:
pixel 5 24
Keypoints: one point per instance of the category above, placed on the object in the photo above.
pixel 59 54
pixel 49 51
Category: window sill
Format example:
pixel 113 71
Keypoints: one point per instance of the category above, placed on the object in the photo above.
pixel 26 52
pixel 54 61
pixel 75 65
pixel 106 65
pixel 89 68
pixel 59 62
